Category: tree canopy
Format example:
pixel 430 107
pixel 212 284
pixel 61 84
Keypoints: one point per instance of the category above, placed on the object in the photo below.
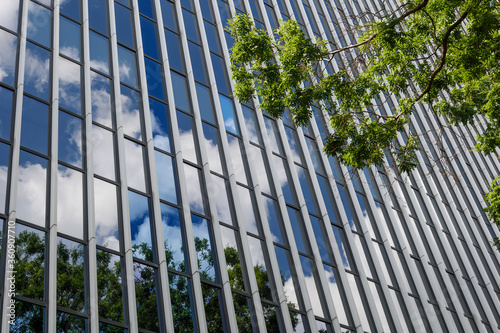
pixel 442 55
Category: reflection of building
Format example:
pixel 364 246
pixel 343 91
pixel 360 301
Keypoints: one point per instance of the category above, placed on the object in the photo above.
pixel 146 199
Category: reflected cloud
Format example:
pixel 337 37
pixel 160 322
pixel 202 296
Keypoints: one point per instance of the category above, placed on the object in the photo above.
pixel 9 14
pixel 8 49
pixel 37 70
pixel 31 193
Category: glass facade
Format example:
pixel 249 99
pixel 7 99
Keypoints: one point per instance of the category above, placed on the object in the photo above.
pixel 137 195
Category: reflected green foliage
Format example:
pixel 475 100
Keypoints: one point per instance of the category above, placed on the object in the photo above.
pixel 440 53
pixel 70 277
pixel 30 265
pixel 109 288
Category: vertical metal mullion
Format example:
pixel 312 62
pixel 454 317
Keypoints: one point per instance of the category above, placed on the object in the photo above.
pixel 16 147
pixel 131 310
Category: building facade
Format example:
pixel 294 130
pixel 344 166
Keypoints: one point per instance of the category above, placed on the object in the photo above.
pixel 136 195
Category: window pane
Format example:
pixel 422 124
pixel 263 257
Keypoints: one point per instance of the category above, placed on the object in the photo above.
pixel 252 125
pixel 214 310
pixel 29 317
pixel 69 38
pixel 8 50
pixel 123 17
pixel 145 278
pixel 160 124
pixel 31 188
pixel 173 234
pixel 70 202
pixel 109 287
pixel 100 90
pixel 311 283
pixel 175 57
pixel 149 37
pixel 30 263
pixel 336 290
pixel 205 103
pixel 247 204
pixel 229 114
pixel 259 266
pixel 34 128
pixel 131 112
pixel 37 71
pixel 10 15
pixel 70 275
pixel 233 258
pixel 198 63
pixel 181 92
pixel 140 226
pixel 237 159
pixel 165 172
pixel 203 243
pixel 220 74
pixel 103 149
pixel 222 200
pixel 258 158
pixel 168 15
pixel 134 160
pixel 99 52
pixel 274 220
pixel 196 193
pixel 71 8
pixel 6 96
pixel 39 24
pixel 244 310
pixel 106 214
pixel 185 123
pixel 128 71
pixel 182 303
pixel 298 229
pixel 191 26
pixel 307 190
pixel 4 167
pixel 69 86
pixel 98 15
pixel 154 78
pixel 212 145
pixel 287 276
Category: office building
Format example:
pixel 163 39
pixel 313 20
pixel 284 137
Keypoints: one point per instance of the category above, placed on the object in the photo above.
pixel 144 198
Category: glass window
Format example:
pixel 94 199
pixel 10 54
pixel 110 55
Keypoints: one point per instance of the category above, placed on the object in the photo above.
pixel 221 199
pixel 37 71
pixel 293 141
pixel 205 103
pixel 339 299
pixel 359 300
pixel 106 214
pixel 131 112
pixel 31 191
pixel 185 123
pixel 196 193
pixel 173 236
pixel 34 128
pixel 123 17
pixel 214 310
pixel 39 24
pixel 104 152
pixel 328 198
pixel 165 172
pixel 342 246
pixel 237 159
pixel 10 15
pixel 191 26
pixel 154 78
pixel 243 308
pixel 307 190
pixel 207 11
pixel 8 51
pixel 134 159
pixel 315 154
pixel 308 267
pixel 98 15
pixel 70 274
pixel 198 63
pixel 146 8
pixel 28 317
pixel 343 191
pixel 100 92
pixel 252 125
pixel 274 219
pixel 247 204
pixel 283 257
pixel 212 38
pixel 211 135
pixel 274 136
pixel 259 266
pixel 220 74
pixel 71 8
pixel 224 11
pixel 181 92
pixel 69 86
pixel 127 65
pixel 146 292
pixel 70 202
pixel 203 244
pixel 229 114
pixel 140 226
pixel 181 298
pixel 149 37
pixel 160 125
pixel 69 39
pixel 168 15
pixel 6 96
pixel 109 286
pixel 298 229
pixel 258 158
pixel 30 263
pixel 99 52
pixel 4 167
pixel 174 50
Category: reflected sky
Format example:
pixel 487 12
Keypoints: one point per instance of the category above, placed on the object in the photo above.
pixel 338 300
pixel 37 71
pixel 8 49
pixel 106 214
pixel 127 66
pixel 202 235
pixel 70 202
pixel 6 96
pixel 34 125
pixel 196 194
pixel 160 125
pixel 31 188
pixel 9 14
pixel 165 172
pixel 140 223
pixel 229 114
pixel 134 162
pixel 221 199
pixel 39 24
pixel 4 167
pixel 69 39
pixel 103 148
pixel 131 112
pixel 286 276
pixel 248 213
pixel 173 232
pixel 100 91
pixel 69 86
